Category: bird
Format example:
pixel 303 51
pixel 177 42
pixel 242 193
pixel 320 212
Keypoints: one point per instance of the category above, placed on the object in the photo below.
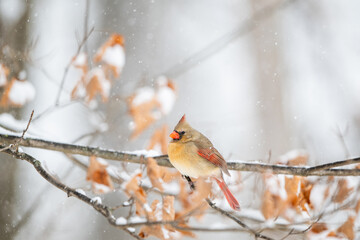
pixel 193 155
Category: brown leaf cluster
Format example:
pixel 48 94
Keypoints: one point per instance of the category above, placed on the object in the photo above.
pixel 343 191
pixel 115 40
pixel 318 227
pixel 154 173
pixel 160 212
pixel 194 202
pixel 159 175
pixel 345 231
pixel 5 100
pixel 294 158
pixel 292 192
pixel 146 112
pixel 142 115
pixel 91 84
pixel 341 194
pixel 97 80
pixel 297 196
pixel 133 189
pixel 7 88
pixel 98 174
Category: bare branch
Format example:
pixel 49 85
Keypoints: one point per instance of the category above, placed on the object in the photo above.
pixel 162 160
pixel 102 209
pixel 237 220
pixel 68 67
pixel 107 212
pixel 27 126
pixel 16 144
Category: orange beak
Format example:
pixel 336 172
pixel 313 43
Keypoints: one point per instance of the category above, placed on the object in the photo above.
pixel 174 135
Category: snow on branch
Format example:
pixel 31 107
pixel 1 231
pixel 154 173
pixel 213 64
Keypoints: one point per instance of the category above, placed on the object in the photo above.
pixel 107 212
pixel 162 160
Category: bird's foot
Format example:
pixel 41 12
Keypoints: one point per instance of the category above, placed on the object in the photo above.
pixel 211 203
pixel 191 183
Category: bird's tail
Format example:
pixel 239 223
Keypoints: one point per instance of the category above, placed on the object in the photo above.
pixel 234 204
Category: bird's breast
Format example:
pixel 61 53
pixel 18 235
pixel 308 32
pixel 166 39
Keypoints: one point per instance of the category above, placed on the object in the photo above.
pixel 184 157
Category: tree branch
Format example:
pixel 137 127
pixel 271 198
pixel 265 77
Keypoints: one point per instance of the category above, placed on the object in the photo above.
pixel 102 209
pixel 107 212
pixel 69 65
pixel 162 160
pixel 237 220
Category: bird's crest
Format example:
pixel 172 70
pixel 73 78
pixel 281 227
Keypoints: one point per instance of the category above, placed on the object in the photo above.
pixel 183 119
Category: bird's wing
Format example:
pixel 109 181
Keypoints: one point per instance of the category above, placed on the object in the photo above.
pixel 213 155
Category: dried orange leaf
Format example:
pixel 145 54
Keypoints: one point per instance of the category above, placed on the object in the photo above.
pixel 331 234
pixel 348 228
pixel 148 104
pixel 154 174
pixel 343 191
pixel 168 211
pixel 294 158
pixel 168 174
pixel 304 195
pixel 97 83
pixel 97 173
pixel 357 207
pixel 318 227
pixel 269 207
pixel 194 202
pixel 154 215
pixel 17 93
pixel 80 61
pixel 93 83
pixel 184 232
pixel 159 139
pixel 275 199
pixel 142 114
pixel 133 189
pixel 5 102
pixel 292 188
pixel 298 193
pixel 112 53
pixel 4 72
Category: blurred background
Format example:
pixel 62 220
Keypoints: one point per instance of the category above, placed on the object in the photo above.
pixel 256 77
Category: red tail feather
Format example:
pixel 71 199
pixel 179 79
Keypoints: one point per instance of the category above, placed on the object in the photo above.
pixel 234 204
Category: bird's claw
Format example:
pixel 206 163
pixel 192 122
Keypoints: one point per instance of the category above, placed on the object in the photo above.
pixel 191 183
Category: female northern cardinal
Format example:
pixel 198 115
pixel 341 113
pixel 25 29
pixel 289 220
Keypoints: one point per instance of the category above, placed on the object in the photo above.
pixel 193 155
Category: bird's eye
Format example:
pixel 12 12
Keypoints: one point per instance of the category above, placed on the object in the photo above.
pixel 182 132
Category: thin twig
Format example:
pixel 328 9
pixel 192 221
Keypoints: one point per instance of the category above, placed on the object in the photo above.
pixel 237 220
pixel 340 134
pixel 18 142
pixel 106 211
pixel 86 26
pixel 68 66
pixel 28 124
pixel 102 209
